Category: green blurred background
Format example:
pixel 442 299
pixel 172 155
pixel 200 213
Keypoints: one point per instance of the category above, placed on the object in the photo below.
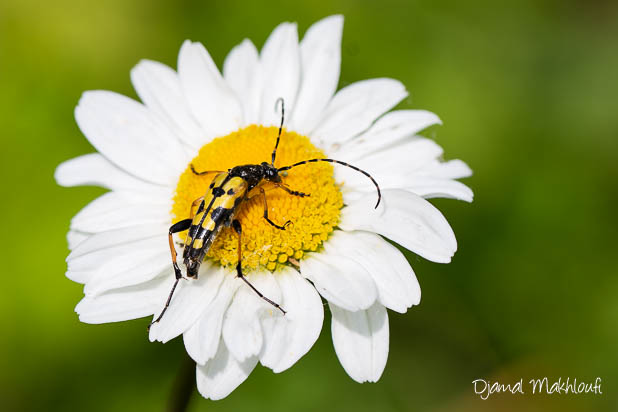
pixel 528 94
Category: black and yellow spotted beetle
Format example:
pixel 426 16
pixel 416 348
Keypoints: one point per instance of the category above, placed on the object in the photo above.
pixel 218 206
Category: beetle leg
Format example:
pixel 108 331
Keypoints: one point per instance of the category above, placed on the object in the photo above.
pixel 195 203
pixel 290 191
pixel 175 228
pixel 263 193
pixel 238 229
pixel 204 172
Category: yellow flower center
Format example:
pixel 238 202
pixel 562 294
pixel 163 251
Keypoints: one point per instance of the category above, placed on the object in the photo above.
pixel 313 218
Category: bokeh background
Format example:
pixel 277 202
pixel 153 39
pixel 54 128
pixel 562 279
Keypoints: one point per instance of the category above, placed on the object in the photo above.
pixel 528 93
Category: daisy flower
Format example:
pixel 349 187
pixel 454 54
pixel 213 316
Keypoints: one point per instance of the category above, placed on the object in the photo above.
pixel 334 250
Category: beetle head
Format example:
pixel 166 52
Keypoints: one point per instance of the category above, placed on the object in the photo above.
pixel 271 173
pixel 193 267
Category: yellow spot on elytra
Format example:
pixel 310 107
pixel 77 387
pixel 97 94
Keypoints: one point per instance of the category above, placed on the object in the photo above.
pixel 263 245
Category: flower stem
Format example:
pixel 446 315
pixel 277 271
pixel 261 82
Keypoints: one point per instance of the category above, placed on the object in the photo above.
pixel 183 386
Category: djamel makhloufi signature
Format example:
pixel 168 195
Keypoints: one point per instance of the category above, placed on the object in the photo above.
pixel 485 388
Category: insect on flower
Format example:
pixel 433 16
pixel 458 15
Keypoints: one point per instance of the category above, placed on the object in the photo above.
pixel 217 208
pixel 196 124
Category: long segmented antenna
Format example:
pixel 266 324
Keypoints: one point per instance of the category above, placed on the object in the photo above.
pixel 280 127
pixel 341 163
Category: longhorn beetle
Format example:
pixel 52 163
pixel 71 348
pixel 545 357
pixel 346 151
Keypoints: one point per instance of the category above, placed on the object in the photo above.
pixel 218 206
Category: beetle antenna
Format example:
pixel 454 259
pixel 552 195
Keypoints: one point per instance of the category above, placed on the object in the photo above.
pixel 280 127
pixel 341 163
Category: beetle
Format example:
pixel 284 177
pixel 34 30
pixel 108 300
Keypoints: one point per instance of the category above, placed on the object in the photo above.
pixel 216 209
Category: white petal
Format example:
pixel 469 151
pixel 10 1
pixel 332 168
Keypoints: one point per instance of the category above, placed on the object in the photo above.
pixel 361 341
pixel 404 218
pixel 159 88
pixel 390 167
pixel 75 237
pixel 429 187
pixel 385 132
pixel 211 100
pixel 397 286
pixel 242 72
pixel 122 265
pixel 190 299
pixel 98 257
pixel 222 374
pixel 280 63
pixel 242 331
pixel 320 52
pixel 452 169
pixel 202 339
pixel 340 280
pixel 123 304
pixel 80 276
pixel 115 210
pixel 274 329
pixel 297 331
pixel 412 165
pixel 119 237
pixel 115 268
pixel 95 170
pixel 355 107
pixel 127 133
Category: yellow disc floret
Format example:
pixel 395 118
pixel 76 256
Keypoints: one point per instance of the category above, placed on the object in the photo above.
pixel 313 218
